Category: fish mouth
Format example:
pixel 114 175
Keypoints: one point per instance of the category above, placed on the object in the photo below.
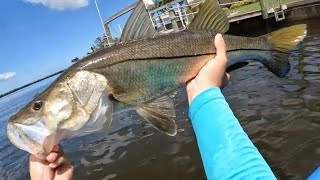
pixel 33 138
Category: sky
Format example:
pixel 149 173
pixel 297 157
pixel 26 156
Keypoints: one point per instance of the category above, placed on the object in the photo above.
pixel 40 37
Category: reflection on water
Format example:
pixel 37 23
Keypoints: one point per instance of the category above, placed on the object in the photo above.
pixel 280 115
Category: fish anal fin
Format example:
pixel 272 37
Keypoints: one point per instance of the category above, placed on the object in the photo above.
pixel 210 17
pixel 160 113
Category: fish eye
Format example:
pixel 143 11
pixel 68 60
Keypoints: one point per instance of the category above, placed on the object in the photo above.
pixel 37 105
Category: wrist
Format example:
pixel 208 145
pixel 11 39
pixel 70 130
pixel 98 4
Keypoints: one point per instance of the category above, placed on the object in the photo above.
pixel 194 92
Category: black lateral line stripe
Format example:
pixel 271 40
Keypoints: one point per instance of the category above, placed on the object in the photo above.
pixel 186 56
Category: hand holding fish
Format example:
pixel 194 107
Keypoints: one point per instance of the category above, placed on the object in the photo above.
pixel 213 74
pixel 55 166
pixel 144 73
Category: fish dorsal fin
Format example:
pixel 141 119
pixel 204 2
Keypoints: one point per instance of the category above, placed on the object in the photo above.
pixel 210 17
pixel 138 25
pixel 160 113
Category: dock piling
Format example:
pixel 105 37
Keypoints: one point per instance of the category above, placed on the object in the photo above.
pixel 173 20
pixel 264 10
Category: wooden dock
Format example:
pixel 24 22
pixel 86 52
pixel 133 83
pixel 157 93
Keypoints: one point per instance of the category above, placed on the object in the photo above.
pixel 142 18
pixel 254 10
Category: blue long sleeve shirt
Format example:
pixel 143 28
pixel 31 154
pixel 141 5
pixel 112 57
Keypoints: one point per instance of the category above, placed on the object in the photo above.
pixel 226 150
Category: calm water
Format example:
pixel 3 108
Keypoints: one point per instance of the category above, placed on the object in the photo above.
pixel 281 116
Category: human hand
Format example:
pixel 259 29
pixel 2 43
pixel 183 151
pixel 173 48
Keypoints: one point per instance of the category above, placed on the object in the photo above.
pixel 55 167
pixel 213 74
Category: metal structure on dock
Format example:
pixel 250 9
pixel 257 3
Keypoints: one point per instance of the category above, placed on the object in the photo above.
pixel 171 17
pixel 279 12
pixel 276 8
pixel 176 15
pixel 108 36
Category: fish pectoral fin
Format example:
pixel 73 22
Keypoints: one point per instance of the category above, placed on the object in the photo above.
pixel 210 17
pixel 160 113
pixel 77 119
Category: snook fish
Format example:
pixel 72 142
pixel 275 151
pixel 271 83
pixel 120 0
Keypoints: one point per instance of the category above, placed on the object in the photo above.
pixel 141 73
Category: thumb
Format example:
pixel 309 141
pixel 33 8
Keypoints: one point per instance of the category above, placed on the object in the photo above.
pixel 221 49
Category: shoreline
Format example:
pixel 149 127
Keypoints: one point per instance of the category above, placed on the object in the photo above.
pixel 29 84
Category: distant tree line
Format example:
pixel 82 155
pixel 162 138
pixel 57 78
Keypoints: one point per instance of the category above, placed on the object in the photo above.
pixel 99 43
pixel 162 2
pixel 29 84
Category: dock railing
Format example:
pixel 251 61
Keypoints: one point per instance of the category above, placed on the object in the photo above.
pixel 176 15
pixel 165 17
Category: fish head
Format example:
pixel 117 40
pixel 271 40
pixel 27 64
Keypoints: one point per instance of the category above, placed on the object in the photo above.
pixel 72 107
pixel 31 128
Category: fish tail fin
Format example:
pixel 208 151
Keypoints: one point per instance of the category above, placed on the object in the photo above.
pixel 283 41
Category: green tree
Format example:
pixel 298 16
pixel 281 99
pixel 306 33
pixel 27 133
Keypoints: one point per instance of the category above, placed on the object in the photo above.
pixel 98 44
pixel 162 2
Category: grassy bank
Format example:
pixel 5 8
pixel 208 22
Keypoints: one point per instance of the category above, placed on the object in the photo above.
pixel 250 8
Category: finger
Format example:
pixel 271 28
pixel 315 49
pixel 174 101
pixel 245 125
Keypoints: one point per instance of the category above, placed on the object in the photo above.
pixel 225 81
pixel 55 153
pixel 39 169
pixel 52 157
pixel 62 160
pixel 221 49
pixel 64 172
pixel 34 158
pixel 56 148
pixel 228 76
pixel 190 90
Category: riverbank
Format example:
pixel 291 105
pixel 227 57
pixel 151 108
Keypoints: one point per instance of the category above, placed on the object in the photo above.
pixel 29 84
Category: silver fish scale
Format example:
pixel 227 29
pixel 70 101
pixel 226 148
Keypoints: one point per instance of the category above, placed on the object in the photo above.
pixel 146 69
pixel 183 44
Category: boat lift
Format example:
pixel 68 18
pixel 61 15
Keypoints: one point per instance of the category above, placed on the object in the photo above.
pixel 172 17
pixel 176 15
pixel 279 11
pixel 276 8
